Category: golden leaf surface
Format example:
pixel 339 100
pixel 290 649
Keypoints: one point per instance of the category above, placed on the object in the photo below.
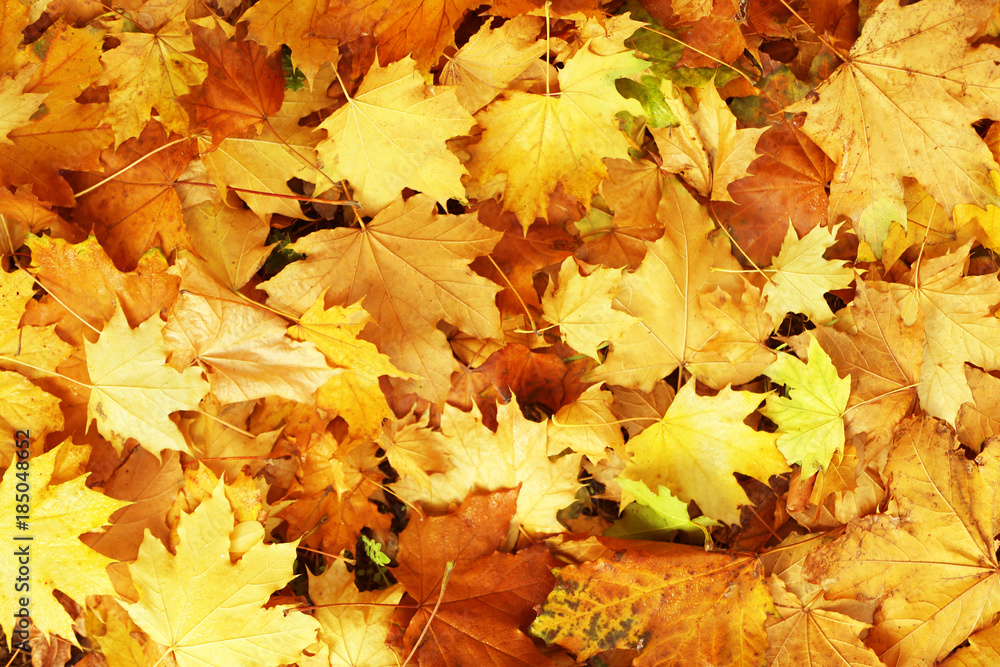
pixel 225 622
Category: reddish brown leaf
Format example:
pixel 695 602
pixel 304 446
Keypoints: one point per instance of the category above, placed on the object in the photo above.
pixel 243 87
pixel 138 209
pixel 532 375
pixel 788 182
pixel 489 596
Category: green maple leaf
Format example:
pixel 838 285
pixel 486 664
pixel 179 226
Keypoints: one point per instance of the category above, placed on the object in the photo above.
pixel 810 418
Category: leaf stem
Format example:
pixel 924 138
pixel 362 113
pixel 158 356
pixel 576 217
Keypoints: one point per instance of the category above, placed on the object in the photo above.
pixel 315 200
pixel 688 46
pixel 121 171
pixel 527 313
pixel 449 566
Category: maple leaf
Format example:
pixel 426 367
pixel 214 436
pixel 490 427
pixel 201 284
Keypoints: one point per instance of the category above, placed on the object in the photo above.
pixel 132 390
pixel 930 561
pixel 70 136
pixel 535 142
pixel 56 557
pixel 32 351
pixel 879 116
pixel 959 326
pixel 488 596
pixel 977 421
pixel 355 394
pixel 244 349
pixel 663 294
pixel 536 376
pixel 138 209
pixel 16 106
pixel 586 425
pixel 150 485
pixel 25 406
pixel 698 445
pixel 227 622
pixel 788 179
pixel 983 648
pixel 151 67
pixel 356 635
pixel 581 306
pixel 882 358
pixel 476 459
pixel 492 58
pixel 664 600
pixel 827 631
pixel 739 351
pixel 391 134
pixel 633 191
pixel 261 166
pixel 672 512
pixel 82 274
pixel 406 28
pixel 706 148
pixel 801 276
pixel 231 241
pixel 409 268
pixel 242 88
pixel 274 23
pixel 810 418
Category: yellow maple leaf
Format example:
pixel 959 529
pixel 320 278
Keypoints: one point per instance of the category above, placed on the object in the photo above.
pixel 698 445
pixel 492 58
pixel 243 347
pixel 354 394
pixel 706 148
pixel 261 166
pixel 532 143
pixel 409 268
pixel 48 553
pixel 38 349
pixel 274 23
pixel 25 406
pixel 930 561
pixel 225 623
pixel 133 390
pixel 16 106
pixel 810 417
pixel 663 294
pixel 959 326
pixel 581 306
pixel 391 135
pixel 357 624
pixel 879 117
pixel 231 240
pixel 479 460
pixel 151 67
pixel 801 276
pixel 586 425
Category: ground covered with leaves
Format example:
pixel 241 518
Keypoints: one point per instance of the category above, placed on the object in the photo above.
pixel 386 332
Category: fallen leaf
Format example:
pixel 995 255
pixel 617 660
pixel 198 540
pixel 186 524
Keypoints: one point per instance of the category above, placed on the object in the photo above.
pixel 664 600
pixel 48 550
pixel 407 244
pixel 539 141
pixel 133 391
pixel 227 621
pixel 930 560
pixel 907 58
pixel 698 445
pixel 810 417
pixel 391 135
